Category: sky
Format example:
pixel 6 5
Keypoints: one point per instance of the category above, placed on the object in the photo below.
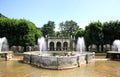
pixel 81 11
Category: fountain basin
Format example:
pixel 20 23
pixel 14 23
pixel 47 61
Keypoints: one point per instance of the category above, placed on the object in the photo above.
pixel 113 55
pixel 57 62
pixel 8 55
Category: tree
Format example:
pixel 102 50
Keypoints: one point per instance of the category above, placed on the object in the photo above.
pixel 27 33
pixel 93 34
pixel 79 33
pixel 19 32
pixel 68 28
pixel 111 31
pixel 48 29
pixel 1 15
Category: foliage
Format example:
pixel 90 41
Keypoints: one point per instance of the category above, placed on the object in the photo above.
pixel 79 33
pixel 93 34
pixel 68 28
pixel 19 32
pixel 111 31
pixel 23 32
pixel 2 16
pixel 101 34
pixel 48 29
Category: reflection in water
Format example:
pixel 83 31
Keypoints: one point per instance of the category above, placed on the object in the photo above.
pixel 94 69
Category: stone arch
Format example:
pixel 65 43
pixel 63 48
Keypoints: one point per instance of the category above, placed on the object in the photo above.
pixel 51 45
pixel 65 46
pixel 58 46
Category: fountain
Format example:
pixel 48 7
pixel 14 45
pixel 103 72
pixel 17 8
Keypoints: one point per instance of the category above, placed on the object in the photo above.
pixel 42 44
pixel 116 45
pixel 44 59
pixel 115 53
pixel 80 45
pixel 3 44
pixel 4 47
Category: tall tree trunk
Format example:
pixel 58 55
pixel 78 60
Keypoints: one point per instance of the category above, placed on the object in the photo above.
pixel 87 49
pixel 101 47
pixel 25 48
pixel 97 48
pixel 110 47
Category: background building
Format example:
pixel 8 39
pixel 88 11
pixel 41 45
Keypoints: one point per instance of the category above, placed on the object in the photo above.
pixel 60 43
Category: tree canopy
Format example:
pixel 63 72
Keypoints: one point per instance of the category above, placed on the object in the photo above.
pixel 19 32
pixel 1 15
pixel 68 28
pixel 79 33
pixel 111 31
pixel 24 32
pixel 48 29
pixel 93 33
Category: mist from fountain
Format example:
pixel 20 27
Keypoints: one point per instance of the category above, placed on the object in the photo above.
pixel 3 44
pixel 80 47
pixel 116 45
pixel 42 45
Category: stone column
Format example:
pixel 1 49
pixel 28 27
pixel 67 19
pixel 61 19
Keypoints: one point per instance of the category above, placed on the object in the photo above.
pixel 55 45
pixel 68 46
pixel 73 45
pixel 48 45
pixel 62 45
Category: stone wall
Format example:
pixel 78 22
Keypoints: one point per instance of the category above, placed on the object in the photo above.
pixel 19 49
pixel 93 47
pixel 58 62
pixel 106 47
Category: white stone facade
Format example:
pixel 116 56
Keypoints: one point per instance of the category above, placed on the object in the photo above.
pixel 60 43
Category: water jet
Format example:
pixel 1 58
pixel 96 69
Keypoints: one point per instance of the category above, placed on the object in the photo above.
pixel 58 59
pixel 115 53
pixel 4 49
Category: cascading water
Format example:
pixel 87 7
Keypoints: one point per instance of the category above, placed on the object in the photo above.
pixel 116 45
pixel 80 45
pixel 3 44
pixel 42 44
